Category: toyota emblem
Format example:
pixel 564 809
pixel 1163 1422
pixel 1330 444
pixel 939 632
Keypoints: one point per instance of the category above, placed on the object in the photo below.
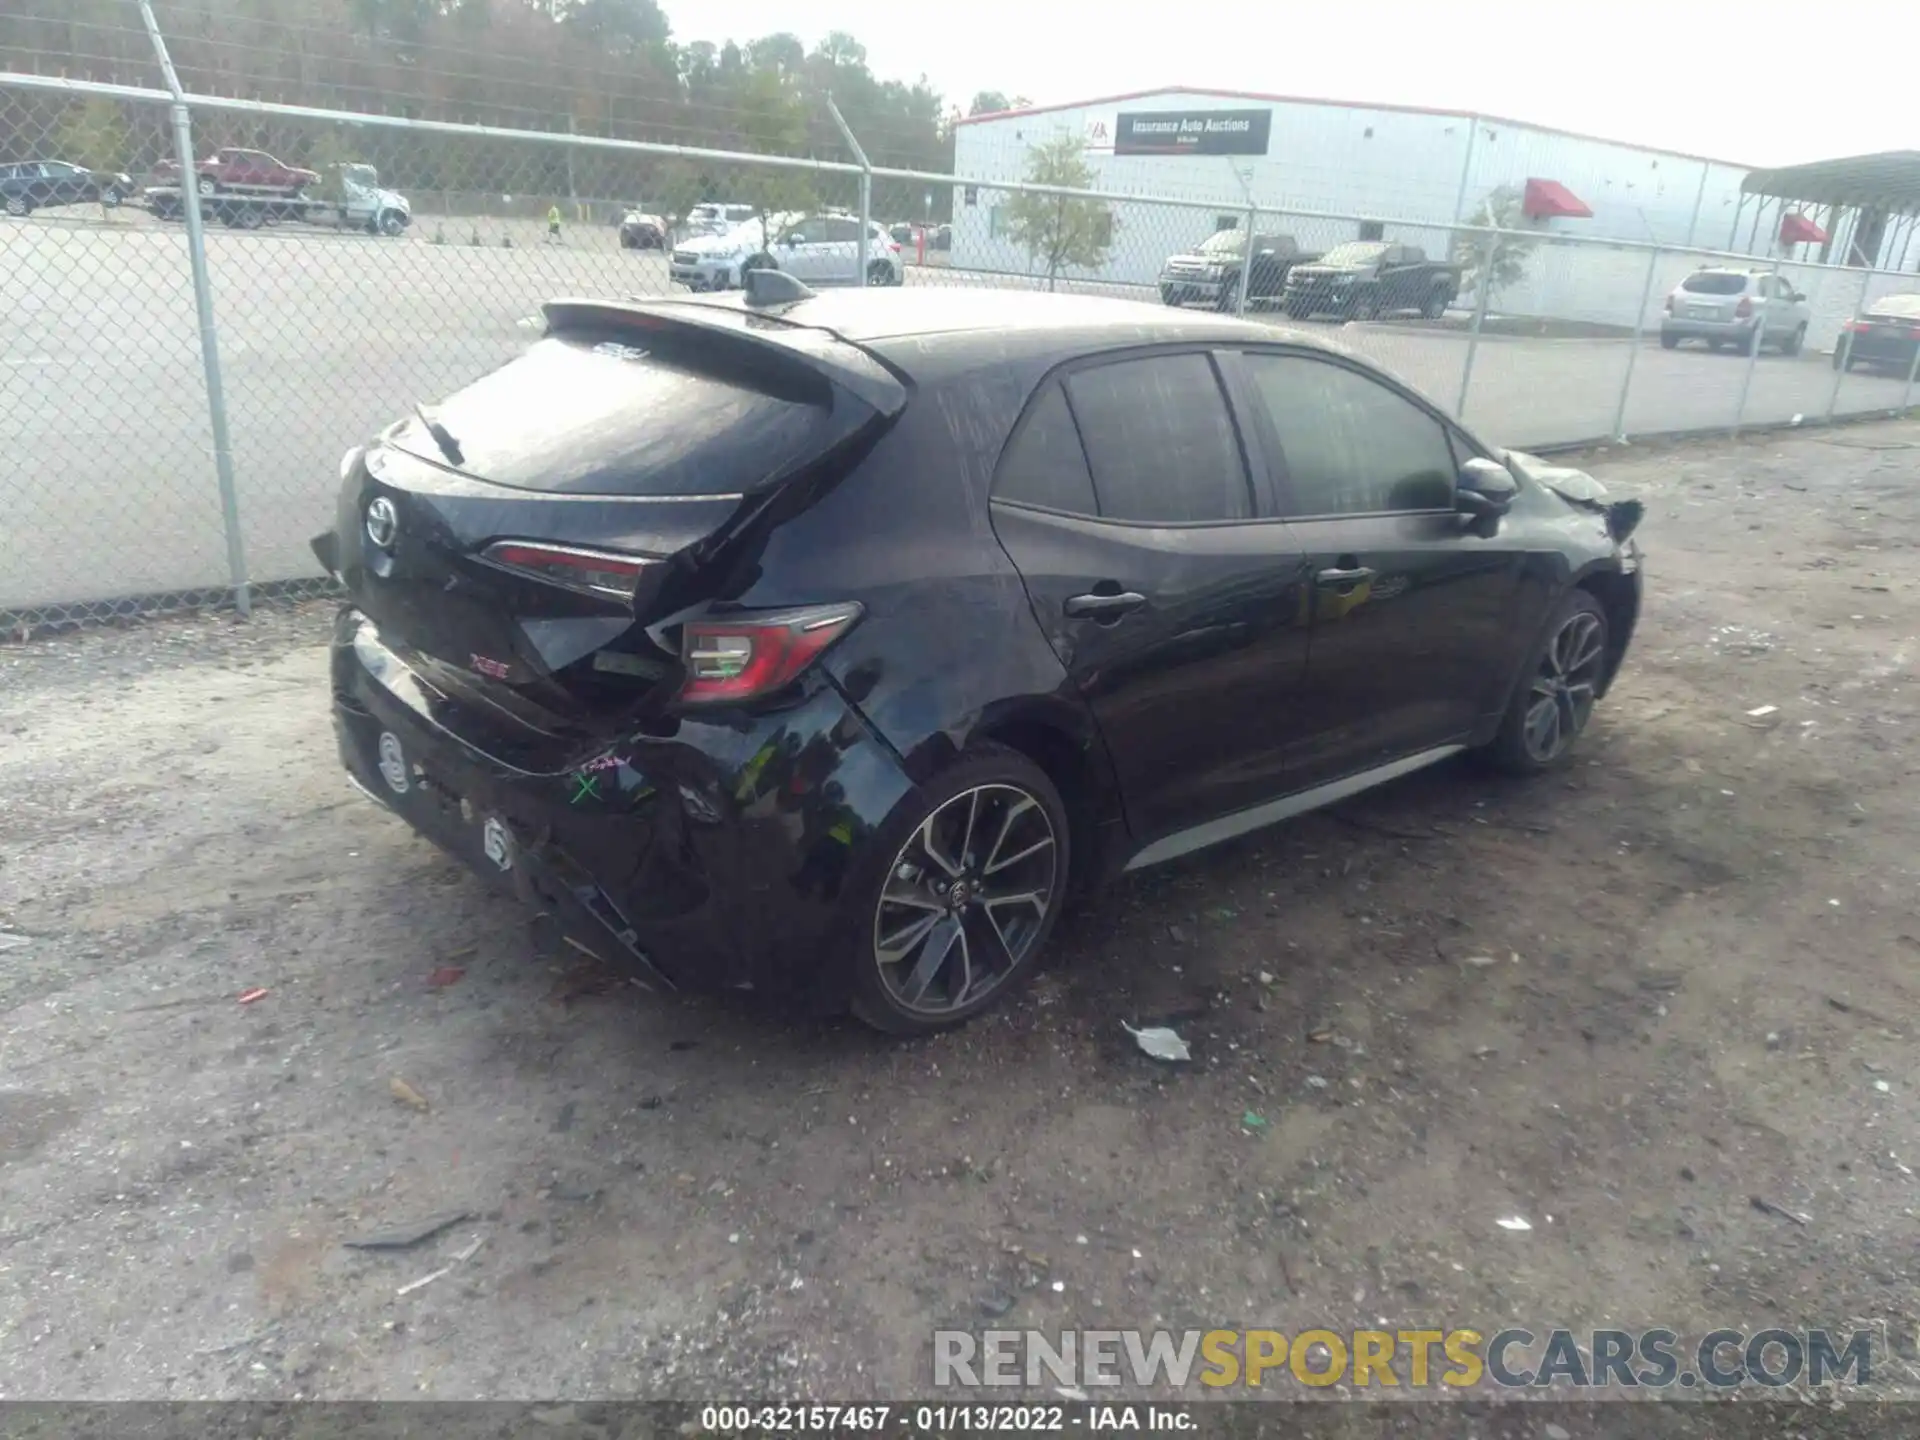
pixel 383 523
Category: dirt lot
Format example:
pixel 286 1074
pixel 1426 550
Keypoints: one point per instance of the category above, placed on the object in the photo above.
pixel 1620 1004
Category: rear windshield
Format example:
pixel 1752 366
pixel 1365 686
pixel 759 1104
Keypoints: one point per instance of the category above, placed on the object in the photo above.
pixel 1709 282
pixel 607 412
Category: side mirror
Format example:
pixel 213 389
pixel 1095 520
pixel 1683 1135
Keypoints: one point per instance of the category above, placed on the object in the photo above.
pixel 1798 298
pixel 1485 489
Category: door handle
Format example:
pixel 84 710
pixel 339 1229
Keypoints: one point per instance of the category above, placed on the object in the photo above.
pixel 1345 577
pixel 1103 607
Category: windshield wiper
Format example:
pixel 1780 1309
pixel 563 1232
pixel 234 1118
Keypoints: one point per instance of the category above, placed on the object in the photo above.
pixel 443 437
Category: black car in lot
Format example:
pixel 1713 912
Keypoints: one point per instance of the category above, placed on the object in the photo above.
pixel 1365 279
pixel 824 647
pixel 44 184
pixel 1888 334
pixel 1209 274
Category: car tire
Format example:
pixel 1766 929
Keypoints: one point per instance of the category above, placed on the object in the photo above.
pixel 627 242
pixel 1791 345
pixel 207 185
pixel 1570 659
pixel 1365 308
pixel 1436 303
pixel 19 206
pixel 915 971
pixel 391 223
pixel 1229 295
pixel 111 197
pixel 1669 341
pixel 879 273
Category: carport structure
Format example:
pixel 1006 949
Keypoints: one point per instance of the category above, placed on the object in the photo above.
pixel 1871 207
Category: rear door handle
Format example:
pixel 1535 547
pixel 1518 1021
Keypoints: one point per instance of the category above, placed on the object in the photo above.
pixel 1103 607
pixel 1345 577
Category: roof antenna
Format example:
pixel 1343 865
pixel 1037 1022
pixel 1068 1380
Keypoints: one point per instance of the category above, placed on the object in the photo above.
pixel 773 287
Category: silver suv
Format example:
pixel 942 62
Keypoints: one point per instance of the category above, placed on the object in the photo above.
pixel 1742 308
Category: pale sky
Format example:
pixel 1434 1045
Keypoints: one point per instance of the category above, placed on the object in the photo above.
pixel 1750 83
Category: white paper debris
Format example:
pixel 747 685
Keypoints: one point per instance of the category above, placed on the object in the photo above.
pixel 1760 710
pixel 1159 1042
pixel 1512 1222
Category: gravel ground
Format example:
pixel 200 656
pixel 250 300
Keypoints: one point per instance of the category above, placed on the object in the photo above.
pixel 1622 1003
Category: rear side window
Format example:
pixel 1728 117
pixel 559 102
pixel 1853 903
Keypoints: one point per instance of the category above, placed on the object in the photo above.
pixel 633 413
pixel 1160 441
pixel 1709 283
pixel 1044 465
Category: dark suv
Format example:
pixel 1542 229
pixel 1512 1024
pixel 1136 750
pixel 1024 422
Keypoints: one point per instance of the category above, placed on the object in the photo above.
pixel 822 648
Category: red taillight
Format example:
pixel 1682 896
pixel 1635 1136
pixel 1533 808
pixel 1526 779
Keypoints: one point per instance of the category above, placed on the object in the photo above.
pixel 757 653
pixel 599 572
pixel 1857 327
pixel 1744 308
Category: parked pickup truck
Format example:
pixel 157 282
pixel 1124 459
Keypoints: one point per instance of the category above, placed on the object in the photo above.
pixel 243 172
pixel 1364 279
pixel 1209 274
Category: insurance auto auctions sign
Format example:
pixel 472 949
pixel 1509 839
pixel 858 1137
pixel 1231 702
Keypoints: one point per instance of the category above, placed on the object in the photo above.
pixel 1192 132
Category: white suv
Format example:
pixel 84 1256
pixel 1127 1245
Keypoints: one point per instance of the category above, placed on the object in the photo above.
pixel 1742 308
pixel 820 248
pixel 824 249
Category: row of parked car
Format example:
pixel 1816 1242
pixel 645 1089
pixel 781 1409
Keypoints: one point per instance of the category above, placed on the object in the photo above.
pixel 1360 280
pixel 720 244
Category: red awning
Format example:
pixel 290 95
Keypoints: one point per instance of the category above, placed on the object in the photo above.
pixel 1797 229
pixel 1547 198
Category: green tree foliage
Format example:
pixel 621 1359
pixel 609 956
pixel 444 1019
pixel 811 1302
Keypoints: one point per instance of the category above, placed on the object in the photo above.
pixel 593 67
pixel 1060 231
pixel 94 134
pixel 1499 211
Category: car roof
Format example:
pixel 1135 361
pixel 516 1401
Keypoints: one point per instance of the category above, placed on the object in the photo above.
pixel 1903 303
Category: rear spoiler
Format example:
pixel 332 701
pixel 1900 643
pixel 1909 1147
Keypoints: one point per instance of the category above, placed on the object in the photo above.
pixel 763 336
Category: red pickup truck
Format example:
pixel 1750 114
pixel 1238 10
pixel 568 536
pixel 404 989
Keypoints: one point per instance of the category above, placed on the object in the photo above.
pixel 248 172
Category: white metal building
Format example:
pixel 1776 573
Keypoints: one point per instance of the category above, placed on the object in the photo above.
pixel 1419 171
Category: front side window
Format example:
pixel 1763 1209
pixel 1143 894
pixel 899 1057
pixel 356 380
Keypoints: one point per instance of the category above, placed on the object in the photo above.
pixel 1352 445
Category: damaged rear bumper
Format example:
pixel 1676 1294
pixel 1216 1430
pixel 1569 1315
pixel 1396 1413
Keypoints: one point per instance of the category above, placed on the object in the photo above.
pixel 709 859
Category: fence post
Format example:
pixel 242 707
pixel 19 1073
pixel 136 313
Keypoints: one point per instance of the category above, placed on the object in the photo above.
pixel 1246 264
pixel 1846 344
pixel 1479 318
pixel 1913 368
pixel 866 190
pixel 1759 340
pixel 1639 339
pixel 203 304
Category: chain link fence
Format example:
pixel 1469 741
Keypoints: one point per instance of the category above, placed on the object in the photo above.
pixel 357 264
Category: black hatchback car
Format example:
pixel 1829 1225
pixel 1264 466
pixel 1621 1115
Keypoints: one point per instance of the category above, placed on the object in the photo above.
pixel 823 648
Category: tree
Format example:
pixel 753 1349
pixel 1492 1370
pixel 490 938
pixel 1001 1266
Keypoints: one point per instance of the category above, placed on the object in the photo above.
pixel 95 135
pixel 1499 211
pixel 1061 230
pixel 989 102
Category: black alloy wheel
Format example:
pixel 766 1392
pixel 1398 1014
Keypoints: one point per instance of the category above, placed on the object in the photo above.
pixel 970 893
pixel 1556 696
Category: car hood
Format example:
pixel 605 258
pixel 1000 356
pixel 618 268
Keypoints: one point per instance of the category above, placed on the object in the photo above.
pixel 1195 257
pixel 1328 272
pixel 731 243
pixel 1566 482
